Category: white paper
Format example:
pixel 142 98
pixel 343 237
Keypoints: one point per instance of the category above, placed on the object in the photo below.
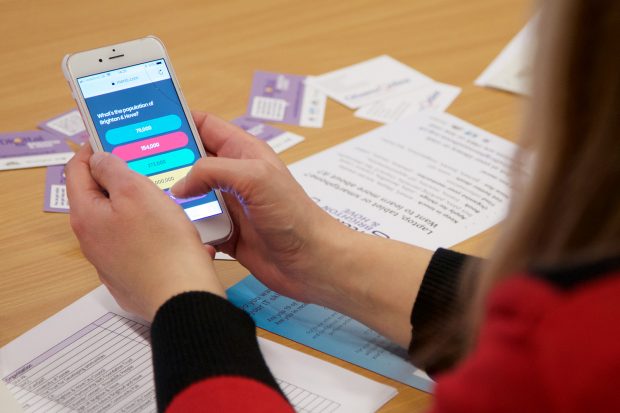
pixel 319 386
pixel 434 96
pixel 284 141
pixel 511 70
pixel 68 124
pixel 92 356
pixel 431 180
pixel 33 161
pixel 223 256
pixel 363 83
pixel 8 404
pixel 313 107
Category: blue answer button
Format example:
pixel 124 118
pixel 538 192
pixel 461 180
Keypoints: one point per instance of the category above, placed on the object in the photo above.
pixel 165 161
pixel 142 130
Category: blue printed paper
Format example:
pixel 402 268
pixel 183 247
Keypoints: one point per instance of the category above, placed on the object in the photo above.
pixel 327 331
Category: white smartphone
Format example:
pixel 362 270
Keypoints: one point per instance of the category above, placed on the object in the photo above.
pixel 132 106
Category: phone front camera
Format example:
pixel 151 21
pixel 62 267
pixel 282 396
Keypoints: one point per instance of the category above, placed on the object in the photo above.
pixel 100 60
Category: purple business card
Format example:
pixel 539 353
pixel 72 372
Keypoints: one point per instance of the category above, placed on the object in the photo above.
pixel 30 149
pixel 278 139
pixel 69 125
pixel 56 190
pixel 279 97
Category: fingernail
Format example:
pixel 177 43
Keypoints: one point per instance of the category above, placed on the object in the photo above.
pixel 177 187
pixel 96 158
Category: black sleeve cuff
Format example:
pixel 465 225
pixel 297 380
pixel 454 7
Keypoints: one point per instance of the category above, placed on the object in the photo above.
pixel 437 343
pixel 197 335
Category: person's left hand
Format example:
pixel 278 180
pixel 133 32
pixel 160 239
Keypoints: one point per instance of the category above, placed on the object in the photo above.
pixel 142 244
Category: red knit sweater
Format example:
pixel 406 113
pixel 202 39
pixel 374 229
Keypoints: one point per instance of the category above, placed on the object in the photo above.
pixel 541 350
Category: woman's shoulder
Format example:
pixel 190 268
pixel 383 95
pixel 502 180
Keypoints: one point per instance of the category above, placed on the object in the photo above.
pixel 542 347
pixel 578 346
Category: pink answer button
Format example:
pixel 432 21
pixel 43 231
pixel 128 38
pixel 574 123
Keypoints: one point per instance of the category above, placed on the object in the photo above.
pixel 151 146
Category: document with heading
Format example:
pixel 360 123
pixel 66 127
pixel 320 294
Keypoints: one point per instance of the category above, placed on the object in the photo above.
pixel 432 180
pixel 94 357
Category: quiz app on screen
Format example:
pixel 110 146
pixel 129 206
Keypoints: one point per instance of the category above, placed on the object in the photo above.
pixel 139 118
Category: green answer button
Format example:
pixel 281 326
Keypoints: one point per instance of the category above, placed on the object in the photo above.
pixel 143 130
pixel 163 162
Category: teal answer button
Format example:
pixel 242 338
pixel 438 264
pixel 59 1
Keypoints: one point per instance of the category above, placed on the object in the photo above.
pixel 158 163
pixel 142 130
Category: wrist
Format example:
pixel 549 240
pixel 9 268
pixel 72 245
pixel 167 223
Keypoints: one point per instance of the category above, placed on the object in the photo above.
pixel 369 278
pixel 182 280
pixel 330 278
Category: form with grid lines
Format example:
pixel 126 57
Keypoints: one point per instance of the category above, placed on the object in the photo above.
pixel 105 366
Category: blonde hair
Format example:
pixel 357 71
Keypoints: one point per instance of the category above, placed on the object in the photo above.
pixel 568 212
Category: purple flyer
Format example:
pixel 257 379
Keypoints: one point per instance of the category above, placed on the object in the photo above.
pixel 56 190
pixel 279 97
pixel 30 149
pixel 68 125
pixel 278 139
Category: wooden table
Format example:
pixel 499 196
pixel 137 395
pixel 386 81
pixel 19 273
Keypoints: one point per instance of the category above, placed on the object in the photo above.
pixel 215 47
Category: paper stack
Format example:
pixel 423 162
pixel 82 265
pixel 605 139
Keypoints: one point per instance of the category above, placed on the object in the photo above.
pixel 385 90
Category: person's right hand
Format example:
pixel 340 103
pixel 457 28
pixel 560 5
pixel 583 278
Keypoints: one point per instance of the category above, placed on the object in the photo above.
pixel 294 247
pixel 280 234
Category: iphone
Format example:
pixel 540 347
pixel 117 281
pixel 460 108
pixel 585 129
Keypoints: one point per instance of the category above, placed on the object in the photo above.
pixel 132 107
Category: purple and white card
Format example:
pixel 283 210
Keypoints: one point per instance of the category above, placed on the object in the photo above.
pixel 278 139
pixel 30 149
pixel 69 125
pixel 56 190
pixel 280 97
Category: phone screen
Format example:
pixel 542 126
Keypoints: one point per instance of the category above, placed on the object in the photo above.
pixel 138 116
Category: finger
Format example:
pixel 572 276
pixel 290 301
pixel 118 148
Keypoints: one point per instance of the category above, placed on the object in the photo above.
pixel 210 250
pixel 113 175
pixel 82 189
pixel 225 139
pixel 241 176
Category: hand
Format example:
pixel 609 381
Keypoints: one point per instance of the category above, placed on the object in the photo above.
pixel 296 248
pixel 280 234
pixel 141 242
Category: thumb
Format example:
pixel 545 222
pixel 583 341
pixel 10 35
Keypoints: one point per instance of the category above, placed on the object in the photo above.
pixel 109 171
pixel 243 176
